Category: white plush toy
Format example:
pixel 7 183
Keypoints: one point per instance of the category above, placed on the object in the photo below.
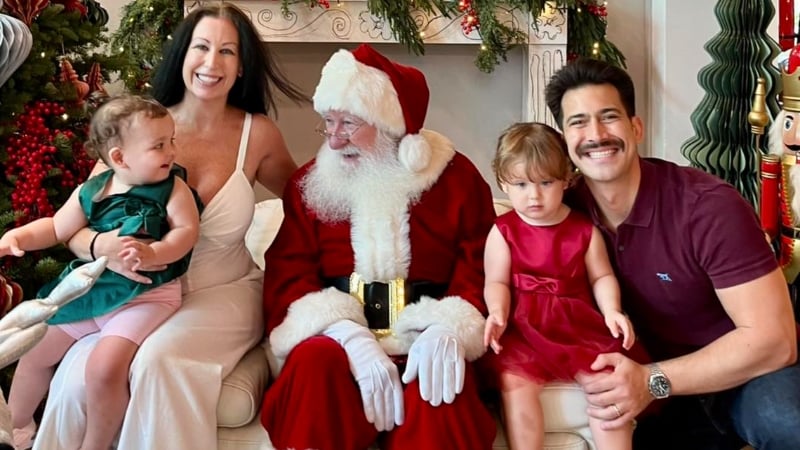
pixel 25 325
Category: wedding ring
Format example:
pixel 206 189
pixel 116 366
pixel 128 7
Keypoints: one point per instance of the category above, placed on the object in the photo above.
pixel 616 408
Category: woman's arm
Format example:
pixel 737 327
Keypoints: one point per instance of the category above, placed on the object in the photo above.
pixel 184 229
pixel 88 245
pixel 276 164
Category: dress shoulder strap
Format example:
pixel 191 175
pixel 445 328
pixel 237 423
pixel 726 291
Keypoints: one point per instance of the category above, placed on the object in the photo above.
pixel 248 120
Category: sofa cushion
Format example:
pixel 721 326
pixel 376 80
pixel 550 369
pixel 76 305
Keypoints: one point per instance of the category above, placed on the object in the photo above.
pixel 242 390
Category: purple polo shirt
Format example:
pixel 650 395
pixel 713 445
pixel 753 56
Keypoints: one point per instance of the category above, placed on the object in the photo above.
pixel 687 234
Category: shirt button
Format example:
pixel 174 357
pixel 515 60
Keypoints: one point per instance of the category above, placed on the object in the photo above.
pixel 377 306
pixel 621 248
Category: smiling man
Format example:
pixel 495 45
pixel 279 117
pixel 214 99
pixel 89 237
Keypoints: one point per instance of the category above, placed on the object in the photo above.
pixel 698 279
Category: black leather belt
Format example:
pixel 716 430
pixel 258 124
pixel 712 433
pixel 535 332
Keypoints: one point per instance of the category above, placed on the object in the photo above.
pixel 793 233
pixel 381 302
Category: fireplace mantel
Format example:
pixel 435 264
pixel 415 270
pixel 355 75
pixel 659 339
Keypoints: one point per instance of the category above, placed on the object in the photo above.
pixel 349 21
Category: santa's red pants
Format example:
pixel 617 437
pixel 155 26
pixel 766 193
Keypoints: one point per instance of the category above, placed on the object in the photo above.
pixel 315 404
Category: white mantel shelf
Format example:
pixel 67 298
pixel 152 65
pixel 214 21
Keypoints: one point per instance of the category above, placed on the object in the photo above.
pixel 349 21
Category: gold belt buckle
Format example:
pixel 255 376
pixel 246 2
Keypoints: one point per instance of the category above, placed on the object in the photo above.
pixel 397 300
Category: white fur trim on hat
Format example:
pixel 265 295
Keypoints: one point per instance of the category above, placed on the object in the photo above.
pixel 453 312
pixel 309 316
pixel 350 86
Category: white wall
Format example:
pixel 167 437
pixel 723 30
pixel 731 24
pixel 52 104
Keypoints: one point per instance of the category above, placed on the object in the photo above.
pixel 661 39
pixel 678 30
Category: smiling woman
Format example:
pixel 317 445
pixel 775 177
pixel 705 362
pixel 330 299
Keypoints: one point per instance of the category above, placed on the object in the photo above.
pixel 216 78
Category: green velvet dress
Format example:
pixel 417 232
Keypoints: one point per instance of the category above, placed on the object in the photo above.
pixel 140 212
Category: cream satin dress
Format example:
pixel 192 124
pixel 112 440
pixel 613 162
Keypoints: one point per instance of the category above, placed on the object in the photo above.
pixel 177 374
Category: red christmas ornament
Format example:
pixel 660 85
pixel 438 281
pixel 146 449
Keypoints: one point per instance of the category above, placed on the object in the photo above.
pixel 73 5
pixel 95 80
pixel 25 10
pixel 68 75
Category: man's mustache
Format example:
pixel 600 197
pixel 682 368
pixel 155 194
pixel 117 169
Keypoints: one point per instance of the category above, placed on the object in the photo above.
pixel 793 147
pixel 608 142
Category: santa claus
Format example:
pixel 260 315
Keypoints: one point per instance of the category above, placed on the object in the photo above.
pixel 780 172
pixel 373 285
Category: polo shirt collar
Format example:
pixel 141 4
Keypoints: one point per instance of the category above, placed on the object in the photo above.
pixel 644 206
pixel 643 209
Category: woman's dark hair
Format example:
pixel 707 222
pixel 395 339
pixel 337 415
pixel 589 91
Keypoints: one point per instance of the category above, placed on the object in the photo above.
pixel 252 91
pixel 587 71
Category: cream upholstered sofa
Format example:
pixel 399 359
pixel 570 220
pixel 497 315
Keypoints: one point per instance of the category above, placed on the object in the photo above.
pixel 238 409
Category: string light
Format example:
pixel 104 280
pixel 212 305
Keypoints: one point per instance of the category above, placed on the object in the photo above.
pixel 422 34
pixel 64 116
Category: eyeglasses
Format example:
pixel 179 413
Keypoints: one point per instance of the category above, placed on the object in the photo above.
pixel 348 128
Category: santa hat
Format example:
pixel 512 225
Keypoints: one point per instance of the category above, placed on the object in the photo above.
pixel 388 95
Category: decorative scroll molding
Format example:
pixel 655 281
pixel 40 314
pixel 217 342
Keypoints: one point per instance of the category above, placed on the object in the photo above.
pixel 351 21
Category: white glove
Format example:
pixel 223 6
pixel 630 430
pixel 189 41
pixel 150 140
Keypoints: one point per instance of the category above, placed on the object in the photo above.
pixel 437 358
pixel 376 374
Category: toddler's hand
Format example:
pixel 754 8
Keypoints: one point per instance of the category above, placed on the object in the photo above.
pixel 617 323
pixel 10 246
pixel 495 327
pixel 139 254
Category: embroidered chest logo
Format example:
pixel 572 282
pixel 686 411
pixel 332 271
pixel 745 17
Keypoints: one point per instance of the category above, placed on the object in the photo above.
pixel 664 277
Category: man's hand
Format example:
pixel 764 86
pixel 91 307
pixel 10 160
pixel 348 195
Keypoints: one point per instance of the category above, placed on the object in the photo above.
pixel 376 374
pixel 437 358
pixel 495 327
pixel 616 397
pixel 618 323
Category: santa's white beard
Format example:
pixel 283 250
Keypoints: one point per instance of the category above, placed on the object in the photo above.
pixel 336 187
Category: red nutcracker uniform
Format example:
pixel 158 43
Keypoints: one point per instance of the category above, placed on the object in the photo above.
pixel 780 174
pixel 433 234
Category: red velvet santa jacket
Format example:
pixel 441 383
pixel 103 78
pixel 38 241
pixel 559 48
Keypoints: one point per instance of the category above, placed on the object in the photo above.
pixel 438 237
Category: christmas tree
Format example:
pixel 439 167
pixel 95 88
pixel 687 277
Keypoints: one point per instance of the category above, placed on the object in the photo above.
pixel 741 53
pixel 43 118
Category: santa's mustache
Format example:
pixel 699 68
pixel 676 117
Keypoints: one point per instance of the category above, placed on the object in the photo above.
pixel 608 142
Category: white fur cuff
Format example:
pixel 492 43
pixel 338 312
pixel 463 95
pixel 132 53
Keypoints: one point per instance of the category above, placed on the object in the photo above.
pixel 310 315
pixel 453 312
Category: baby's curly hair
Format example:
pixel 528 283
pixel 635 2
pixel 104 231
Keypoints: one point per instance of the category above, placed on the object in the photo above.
pixel 112 117
pixel 539 146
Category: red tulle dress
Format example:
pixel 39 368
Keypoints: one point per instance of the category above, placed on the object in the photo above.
pixel 554 327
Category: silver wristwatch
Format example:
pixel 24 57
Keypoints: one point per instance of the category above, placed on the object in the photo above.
pixel 658 383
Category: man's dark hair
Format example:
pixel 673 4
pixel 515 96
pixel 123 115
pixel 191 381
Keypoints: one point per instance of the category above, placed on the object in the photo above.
pixel 587 71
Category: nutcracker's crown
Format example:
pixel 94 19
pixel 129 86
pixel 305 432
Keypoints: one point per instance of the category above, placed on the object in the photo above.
pixel 790 92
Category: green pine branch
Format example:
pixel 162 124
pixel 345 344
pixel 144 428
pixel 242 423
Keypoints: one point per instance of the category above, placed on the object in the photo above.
pixel 146 26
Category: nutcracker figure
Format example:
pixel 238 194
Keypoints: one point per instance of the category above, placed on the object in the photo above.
pixel 780 170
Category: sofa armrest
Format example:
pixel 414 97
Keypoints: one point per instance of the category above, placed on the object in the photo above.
pixel 242 390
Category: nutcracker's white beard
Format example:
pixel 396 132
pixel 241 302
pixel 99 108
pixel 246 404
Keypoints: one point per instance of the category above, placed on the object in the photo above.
pixel 334 187
pixel 776 147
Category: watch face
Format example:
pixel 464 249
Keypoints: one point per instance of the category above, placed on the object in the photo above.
pixel 659 386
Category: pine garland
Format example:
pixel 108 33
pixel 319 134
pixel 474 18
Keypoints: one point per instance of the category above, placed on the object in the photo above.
pixel 586 27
